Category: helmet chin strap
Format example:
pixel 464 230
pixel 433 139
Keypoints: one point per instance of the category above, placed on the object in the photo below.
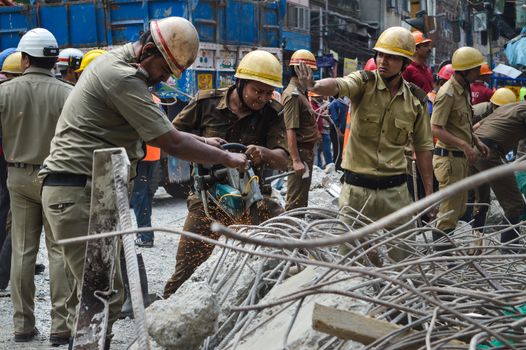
pixel 392 77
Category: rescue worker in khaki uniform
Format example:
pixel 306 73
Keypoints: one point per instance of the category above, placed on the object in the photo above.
pixel 501 132
pixel 302 132
pixel 30 106
pixel 244 113
pixel 387 114
pixel 451 124
pixel 111 107
pixel 501 97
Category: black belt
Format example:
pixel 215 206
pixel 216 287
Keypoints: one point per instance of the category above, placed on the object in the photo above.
pixel 492 144
pixel 64 179
pixel 372 182
pixel 444 153
pixel 24 165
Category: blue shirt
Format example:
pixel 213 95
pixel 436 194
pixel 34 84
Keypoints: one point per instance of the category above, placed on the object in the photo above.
pixel 338 111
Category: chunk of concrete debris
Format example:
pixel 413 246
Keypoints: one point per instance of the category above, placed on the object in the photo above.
pixel 180 322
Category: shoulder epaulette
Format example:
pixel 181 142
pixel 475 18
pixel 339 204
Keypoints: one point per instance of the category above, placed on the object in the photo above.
pixel 204 94
pixel 275 105
pixel 295 92
pixel 65 81
pixel 418 92
pixel 366 75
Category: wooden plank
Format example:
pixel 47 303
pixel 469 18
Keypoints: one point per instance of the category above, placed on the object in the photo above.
pixel 354 326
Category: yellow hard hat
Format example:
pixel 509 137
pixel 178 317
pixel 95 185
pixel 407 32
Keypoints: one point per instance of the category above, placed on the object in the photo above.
pixel 88 57
pixel 396 41
pixel 262 66
pixel 503 96
pixel 303 55
pixel 177 40
pixel 13 64
pixel 466 58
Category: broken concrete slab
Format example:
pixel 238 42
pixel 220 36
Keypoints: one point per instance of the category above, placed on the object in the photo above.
pixel 302 335
pixel 184 320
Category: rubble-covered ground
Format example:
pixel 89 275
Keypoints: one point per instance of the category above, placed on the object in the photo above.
pixel 159 261
pixel 255 296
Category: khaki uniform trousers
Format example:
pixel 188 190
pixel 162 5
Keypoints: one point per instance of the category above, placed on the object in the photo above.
pixel 27 221
pixel 192 253
pixel 297 187
pixel 67 209
pixel 449 170
pixel 374 204
pixel 505 188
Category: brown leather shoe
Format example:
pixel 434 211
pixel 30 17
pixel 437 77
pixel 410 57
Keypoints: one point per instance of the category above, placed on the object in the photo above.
pixel 25 337
pixel 59 338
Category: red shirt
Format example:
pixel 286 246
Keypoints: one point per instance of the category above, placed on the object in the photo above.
pixel 480 92
pixel 421 76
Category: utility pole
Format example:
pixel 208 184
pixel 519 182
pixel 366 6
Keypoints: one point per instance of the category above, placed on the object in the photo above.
pixel 320 51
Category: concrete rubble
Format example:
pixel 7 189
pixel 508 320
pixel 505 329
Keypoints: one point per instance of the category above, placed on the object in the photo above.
pixel 261 298
pixel 185 319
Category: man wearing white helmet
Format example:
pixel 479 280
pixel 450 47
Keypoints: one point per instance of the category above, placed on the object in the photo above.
pixel 68 62
pixel 112 107
pixel 30 106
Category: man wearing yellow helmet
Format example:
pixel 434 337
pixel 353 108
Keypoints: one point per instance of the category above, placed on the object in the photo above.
pixel 87 59
pixel 501 132
pixel 111 106
pixel 386 112
pixel 243 113
pixel 501 97
pixel 302 132
pixel 12 66
pixel 451 123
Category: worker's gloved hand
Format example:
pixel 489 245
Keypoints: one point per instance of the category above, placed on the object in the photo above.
pixel 214 141
pixel 236 160
pixel 256 154
pixel 298 167
pixel 304 74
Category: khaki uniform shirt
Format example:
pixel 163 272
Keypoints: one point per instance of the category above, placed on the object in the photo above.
pixel 382 125
pixel 452 110
pixel 481 111
pixel 208 115
pixel 506 126
pixel 30 106
pixel 298 114
pixel 109 107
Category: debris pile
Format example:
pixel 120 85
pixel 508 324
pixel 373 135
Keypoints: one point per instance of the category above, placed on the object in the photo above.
pixel 317 298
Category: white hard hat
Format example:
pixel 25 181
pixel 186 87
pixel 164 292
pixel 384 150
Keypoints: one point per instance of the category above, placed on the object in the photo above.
pixel 177 40
pixel 70 57
pixel 38 42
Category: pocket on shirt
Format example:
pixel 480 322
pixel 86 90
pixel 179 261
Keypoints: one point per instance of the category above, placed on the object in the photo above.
pixel 399 134
pixel 368 125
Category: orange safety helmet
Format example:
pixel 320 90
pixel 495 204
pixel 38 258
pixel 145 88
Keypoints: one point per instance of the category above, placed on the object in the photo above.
pixel 420 38
pixel 446 72
pixel 370 65
pixel 485 70
pixel 303 55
